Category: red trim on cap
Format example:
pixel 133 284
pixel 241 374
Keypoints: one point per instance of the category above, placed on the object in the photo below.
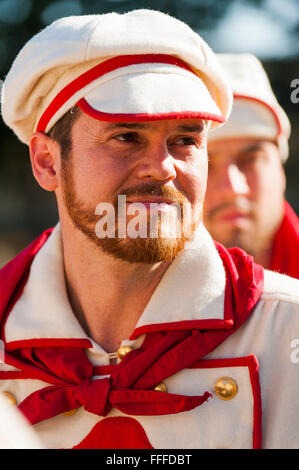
pixel 98 71
pixel 145 116
pixel 267 105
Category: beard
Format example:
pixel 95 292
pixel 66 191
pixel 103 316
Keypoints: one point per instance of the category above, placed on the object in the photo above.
pixel 146 249
pixel 252 236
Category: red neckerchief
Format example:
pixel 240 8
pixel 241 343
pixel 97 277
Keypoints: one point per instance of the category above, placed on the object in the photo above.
pixel 130 386
pixel 285 251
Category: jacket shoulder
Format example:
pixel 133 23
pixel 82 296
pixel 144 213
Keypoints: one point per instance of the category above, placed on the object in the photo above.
pixel 280 287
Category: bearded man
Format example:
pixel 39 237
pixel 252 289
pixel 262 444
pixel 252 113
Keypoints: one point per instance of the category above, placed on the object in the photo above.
pixel 125 330
pixel 245 203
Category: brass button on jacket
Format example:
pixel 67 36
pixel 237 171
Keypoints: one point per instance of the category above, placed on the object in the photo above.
pixel 226 388
pixel 10 398
pixel 161 387
pixel 70 412
pixel 123 351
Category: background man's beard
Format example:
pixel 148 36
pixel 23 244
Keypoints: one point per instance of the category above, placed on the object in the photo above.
pixel 250 241
pixel 138 250
pixel 246 238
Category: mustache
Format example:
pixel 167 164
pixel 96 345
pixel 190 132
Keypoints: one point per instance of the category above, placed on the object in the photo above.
pixel 164 191
pixel 239 204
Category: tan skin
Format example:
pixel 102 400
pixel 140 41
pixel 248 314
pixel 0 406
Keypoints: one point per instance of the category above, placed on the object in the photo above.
pixel 107 294
pixel 245 194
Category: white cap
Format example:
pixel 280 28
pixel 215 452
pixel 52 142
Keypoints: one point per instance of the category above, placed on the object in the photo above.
pixel 256 111
pixel 142 65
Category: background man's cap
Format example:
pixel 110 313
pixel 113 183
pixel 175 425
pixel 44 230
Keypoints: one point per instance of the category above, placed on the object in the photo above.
pixel 256 111
pixel 142 65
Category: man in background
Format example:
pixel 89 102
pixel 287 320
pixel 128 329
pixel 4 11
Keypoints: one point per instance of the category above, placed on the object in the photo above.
pixel 245 204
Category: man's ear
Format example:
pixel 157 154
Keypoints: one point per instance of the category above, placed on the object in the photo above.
pixel 45 160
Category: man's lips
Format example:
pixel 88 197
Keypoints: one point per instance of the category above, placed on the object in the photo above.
pixel 147 201
pixel 232 216
pixel 242 209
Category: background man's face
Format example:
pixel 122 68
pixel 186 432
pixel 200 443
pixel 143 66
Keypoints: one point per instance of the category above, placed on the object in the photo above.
pixel 245 192
pixel 166 160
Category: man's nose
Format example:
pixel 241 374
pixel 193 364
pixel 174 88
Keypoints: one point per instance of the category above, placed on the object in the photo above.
pixel 234 181
pixel 157 164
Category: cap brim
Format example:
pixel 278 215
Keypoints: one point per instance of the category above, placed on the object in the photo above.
pixel 148 92
pixel 249 118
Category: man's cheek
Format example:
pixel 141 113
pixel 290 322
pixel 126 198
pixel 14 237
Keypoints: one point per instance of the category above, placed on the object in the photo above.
pixel 196 192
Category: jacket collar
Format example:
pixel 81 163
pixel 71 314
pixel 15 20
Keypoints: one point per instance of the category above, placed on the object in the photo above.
pixel 190 295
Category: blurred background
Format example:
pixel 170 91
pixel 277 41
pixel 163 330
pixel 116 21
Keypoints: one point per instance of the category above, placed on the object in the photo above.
pixel 267 28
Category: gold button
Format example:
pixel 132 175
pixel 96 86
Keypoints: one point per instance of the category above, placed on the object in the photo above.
pixel 9 398
pixel 70 412
pixel 161 387
pixel 226 388
pixel 123 350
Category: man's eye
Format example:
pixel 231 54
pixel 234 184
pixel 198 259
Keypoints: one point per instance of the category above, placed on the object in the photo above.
pixel 251 159
pixel 126 137
pixel 186 141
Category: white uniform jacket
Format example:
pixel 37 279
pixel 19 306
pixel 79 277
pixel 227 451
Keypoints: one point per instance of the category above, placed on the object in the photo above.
pixel 253 376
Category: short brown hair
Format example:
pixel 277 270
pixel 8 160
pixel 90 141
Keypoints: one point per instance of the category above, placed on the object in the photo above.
pixel 61 131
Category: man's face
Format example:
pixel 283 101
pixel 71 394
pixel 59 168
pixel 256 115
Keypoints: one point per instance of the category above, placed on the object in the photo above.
pixel 150 162
pixel 245 192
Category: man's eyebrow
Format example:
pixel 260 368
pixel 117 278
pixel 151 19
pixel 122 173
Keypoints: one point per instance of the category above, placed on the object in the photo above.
pixel 190 128
pixel 125 125
pixel 246 149
pixel 252 147
pixel 139 125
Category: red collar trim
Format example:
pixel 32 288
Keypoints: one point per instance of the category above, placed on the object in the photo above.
pixel 211 324
pixel 15 275
pixel 48 342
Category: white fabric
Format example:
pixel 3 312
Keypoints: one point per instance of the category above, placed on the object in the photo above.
pixel 268 334
pixel 15 431
pixel 45 293
pixel 249 118
pixel 70 46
